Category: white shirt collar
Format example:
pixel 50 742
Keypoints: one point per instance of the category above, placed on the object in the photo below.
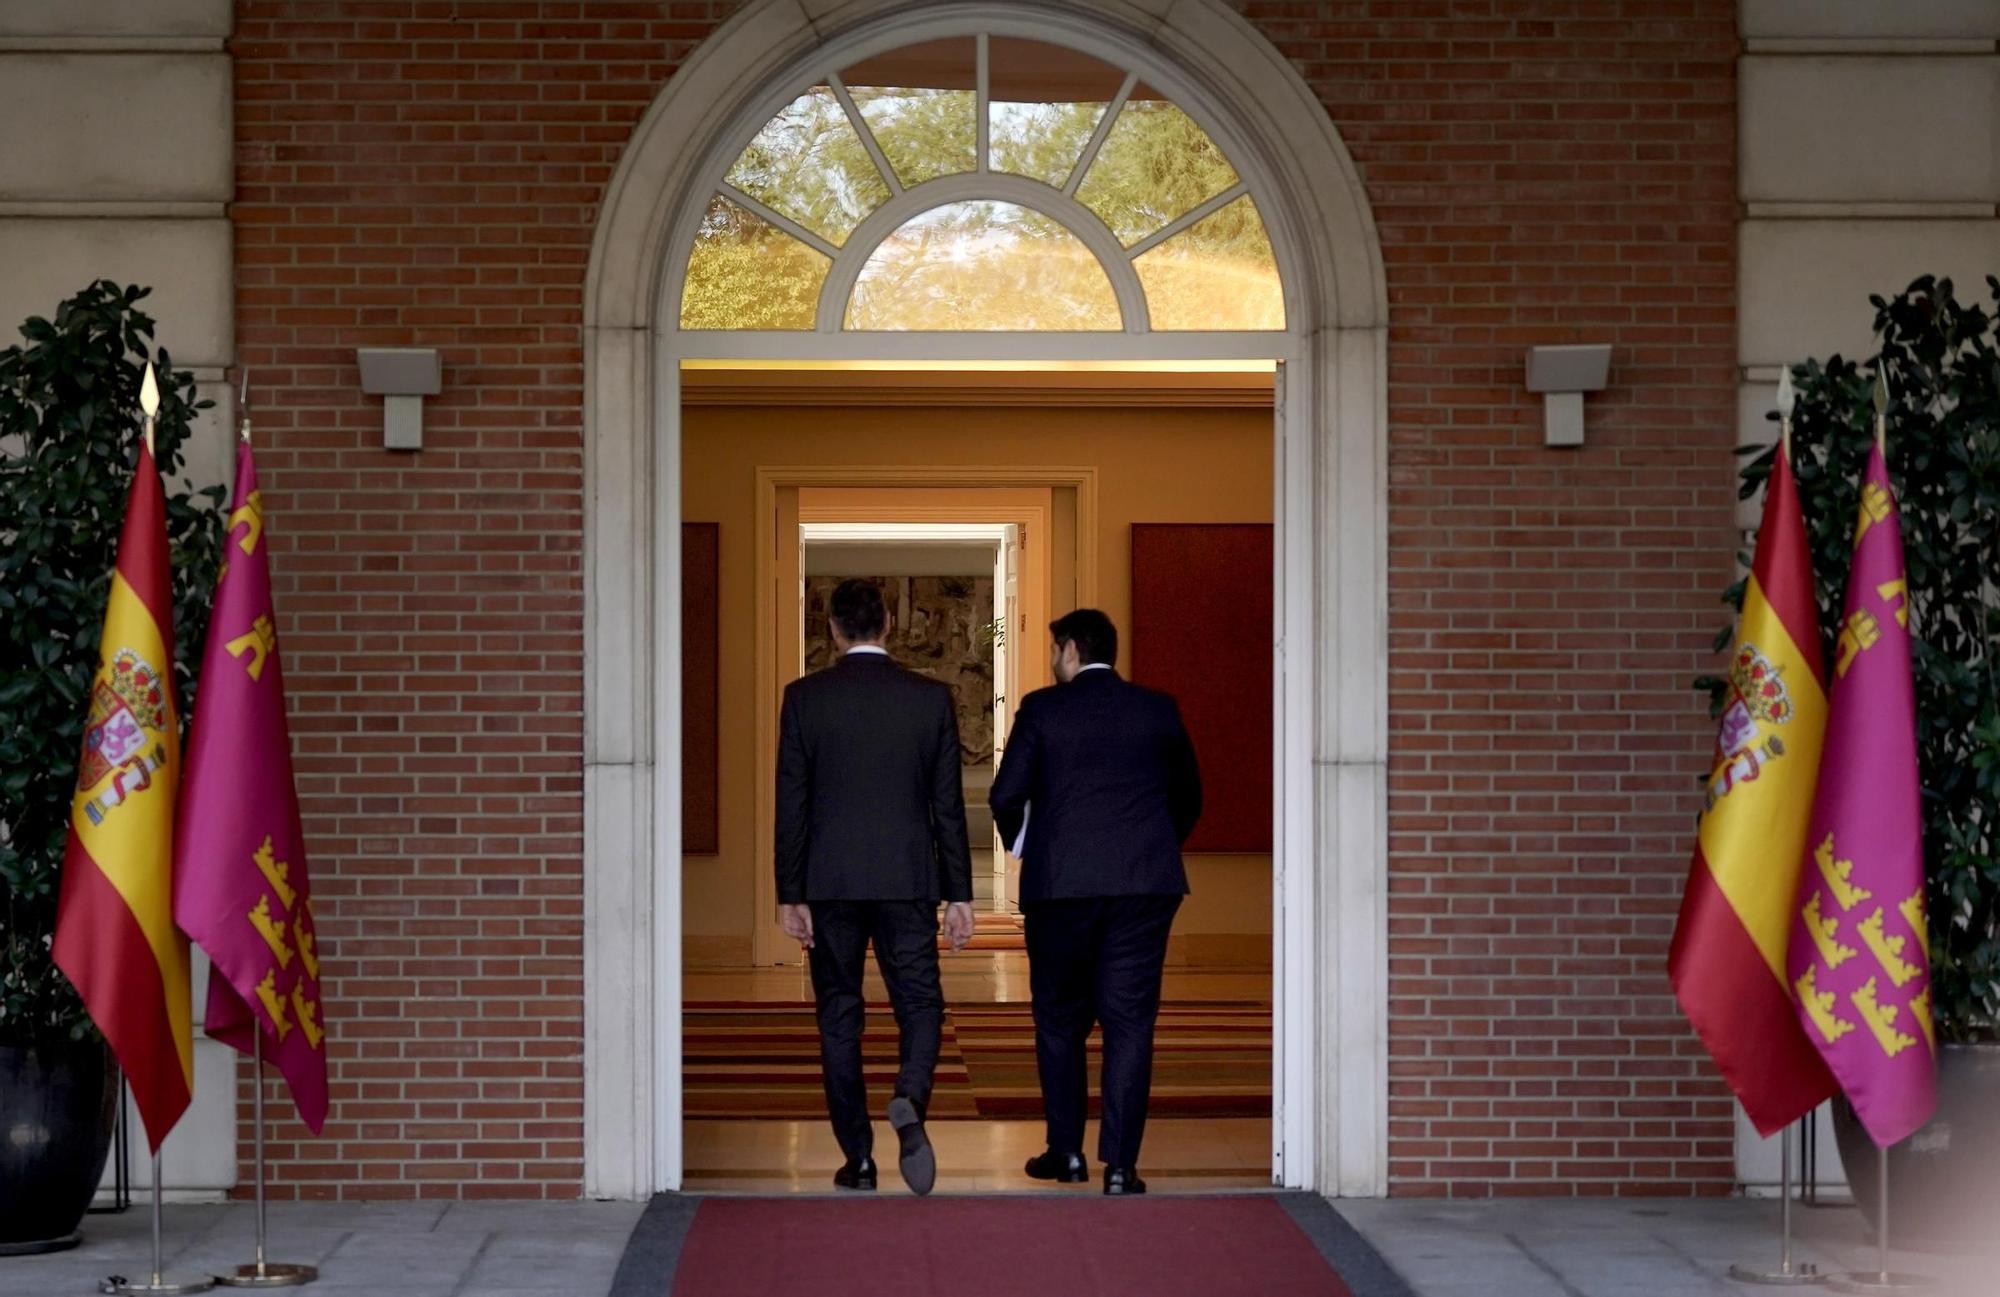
pixel 1093 666
pixel 867 648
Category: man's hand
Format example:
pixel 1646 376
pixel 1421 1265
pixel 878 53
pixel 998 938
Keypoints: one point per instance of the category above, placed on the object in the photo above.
pixel 798 924
pixel 958 923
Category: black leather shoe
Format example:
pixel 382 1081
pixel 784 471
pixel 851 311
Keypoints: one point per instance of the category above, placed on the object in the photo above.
pixel 917 1162
pixel 858 1173
pixel 1063 1168
pixel 1122 1181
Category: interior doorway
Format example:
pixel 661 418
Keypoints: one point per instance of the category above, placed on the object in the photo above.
pixel 959 604
pixel 1035 501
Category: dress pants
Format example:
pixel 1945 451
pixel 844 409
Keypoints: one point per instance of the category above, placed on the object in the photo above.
pixel 1099 960
pixel 905 937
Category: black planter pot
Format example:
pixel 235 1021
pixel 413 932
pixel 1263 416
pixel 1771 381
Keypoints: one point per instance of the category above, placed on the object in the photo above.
pixel 1944 1181
pixel 57 1097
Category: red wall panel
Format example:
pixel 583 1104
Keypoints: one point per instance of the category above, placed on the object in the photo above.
pixel 1201 630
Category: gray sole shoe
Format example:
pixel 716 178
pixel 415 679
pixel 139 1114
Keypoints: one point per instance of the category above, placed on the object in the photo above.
pixel 917 1163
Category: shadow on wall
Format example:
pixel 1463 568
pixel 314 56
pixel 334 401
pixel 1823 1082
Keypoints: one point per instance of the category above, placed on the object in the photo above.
pixel 943 629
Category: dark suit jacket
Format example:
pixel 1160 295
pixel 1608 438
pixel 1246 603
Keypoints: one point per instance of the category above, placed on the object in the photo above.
pixel 1106 776
pixel 871 804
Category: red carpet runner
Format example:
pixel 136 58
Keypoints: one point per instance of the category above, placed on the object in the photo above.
pixel 1000 1247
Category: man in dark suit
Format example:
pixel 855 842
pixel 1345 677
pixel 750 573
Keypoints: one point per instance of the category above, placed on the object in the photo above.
pixel 870 836
pixel 1097 791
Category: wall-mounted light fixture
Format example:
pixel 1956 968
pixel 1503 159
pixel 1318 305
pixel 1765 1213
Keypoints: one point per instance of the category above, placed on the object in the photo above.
pixel 1563 375
pixel 402 377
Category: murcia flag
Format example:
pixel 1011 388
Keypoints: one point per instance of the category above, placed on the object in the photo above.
pixel 1860 961
pixel 115 936
pixel 1727 964
pixel 240 887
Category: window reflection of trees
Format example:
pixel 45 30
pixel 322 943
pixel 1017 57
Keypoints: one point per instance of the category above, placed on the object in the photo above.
pixel 982 264
pixel 746 274
pixel 810 165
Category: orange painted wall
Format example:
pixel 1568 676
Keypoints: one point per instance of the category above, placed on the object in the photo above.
pixel 1155 464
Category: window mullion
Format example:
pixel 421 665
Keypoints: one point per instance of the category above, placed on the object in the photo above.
pixel 1111 111
pixel 779 219
pixel 982 99
pixel 868 140
pixel 1185 219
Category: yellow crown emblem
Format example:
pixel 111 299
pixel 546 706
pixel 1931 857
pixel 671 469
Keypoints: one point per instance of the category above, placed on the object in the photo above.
pixel 1760 685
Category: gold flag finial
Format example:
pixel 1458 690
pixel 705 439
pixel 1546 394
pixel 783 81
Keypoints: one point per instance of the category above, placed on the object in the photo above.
pixel 1881 404
pixel 1788 398
pixel 149 402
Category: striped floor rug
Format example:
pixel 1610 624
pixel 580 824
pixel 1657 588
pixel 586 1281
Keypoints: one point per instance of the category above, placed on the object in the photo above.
pixel 746 1060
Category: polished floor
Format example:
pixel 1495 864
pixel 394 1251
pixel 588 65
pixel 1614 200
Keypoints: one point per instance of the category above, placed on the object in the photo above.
pixel 771 1156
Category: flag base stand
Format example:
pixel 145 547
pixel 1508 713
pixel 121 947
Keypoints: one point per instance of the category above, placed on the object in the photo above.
pixel 261 1273
pixel 1885 1281
pixel 1881 1279
pixel 268 1276
pixel 158 1285
pixel 1787 1275
pixel 1797 1276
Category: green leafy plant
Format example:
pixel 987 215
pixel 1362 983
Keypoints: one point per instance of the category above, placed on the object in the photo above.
pixel 70 429
pixel 1942 358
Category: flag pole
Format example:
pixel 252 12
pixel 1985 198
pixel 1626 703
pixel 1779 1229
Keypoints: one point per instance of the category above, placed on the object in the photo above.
pixel 1881 1279
pixel 262 1273
pixel 1787 1274
pixel 158 1285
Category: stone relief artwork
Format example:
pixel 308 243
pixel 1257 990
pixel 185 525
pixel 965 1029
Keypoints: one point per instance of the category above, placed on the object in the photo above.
pixel 942 630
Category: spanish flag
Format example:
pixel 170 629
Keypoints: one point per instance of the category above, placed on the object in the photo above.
pixel 1728 964
pixel 115 934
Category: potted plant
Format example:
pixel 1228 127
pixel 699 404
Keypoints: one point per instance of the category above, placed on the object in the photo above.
pixel 69 436
pixel 1942 359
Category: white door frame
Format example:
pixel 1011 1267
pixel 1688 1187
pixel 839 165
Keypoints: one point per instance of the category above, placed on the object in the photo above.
pixel 1330 894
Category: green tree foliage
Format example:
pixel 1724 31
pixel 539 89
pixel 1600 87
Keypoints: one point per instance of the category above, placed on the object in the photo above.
pixel 747 274
pixel 1942 358
pixel 69 436
pixel 1155 164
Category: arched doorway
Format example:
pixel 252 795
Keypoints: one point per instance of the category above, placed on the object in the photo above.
pixel 1329 933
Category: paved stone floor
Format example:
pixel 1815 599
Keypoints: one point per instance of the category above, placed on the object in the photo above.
pixel 1628 1248
pixel 529 1249
pixel 1507 1248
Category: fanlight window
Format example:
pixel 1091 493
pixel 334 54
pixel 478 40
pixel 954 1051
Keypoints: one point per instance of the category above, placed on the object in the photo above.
pixel 982 183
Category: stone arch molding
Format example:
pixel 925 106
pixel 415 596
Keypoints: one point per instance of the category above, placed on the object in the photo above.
pixel 1331 938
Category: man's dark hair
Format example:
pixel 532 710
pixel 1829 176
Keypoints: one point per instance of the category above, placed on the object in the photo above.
pixel 857 611
pixel 1096 639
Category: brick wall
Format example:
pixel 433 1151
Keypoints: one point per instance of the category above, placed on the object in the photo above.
pixel 427 174
pixel 423 172
pixel 1545 173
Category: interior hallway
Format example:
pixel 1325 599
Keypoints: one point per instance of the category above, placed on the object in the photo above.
pixel 799 1156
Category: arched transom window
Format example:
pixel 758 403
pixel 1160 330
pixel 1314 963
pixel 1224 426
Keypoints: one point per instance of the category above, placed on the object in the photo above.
pixel 982 182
